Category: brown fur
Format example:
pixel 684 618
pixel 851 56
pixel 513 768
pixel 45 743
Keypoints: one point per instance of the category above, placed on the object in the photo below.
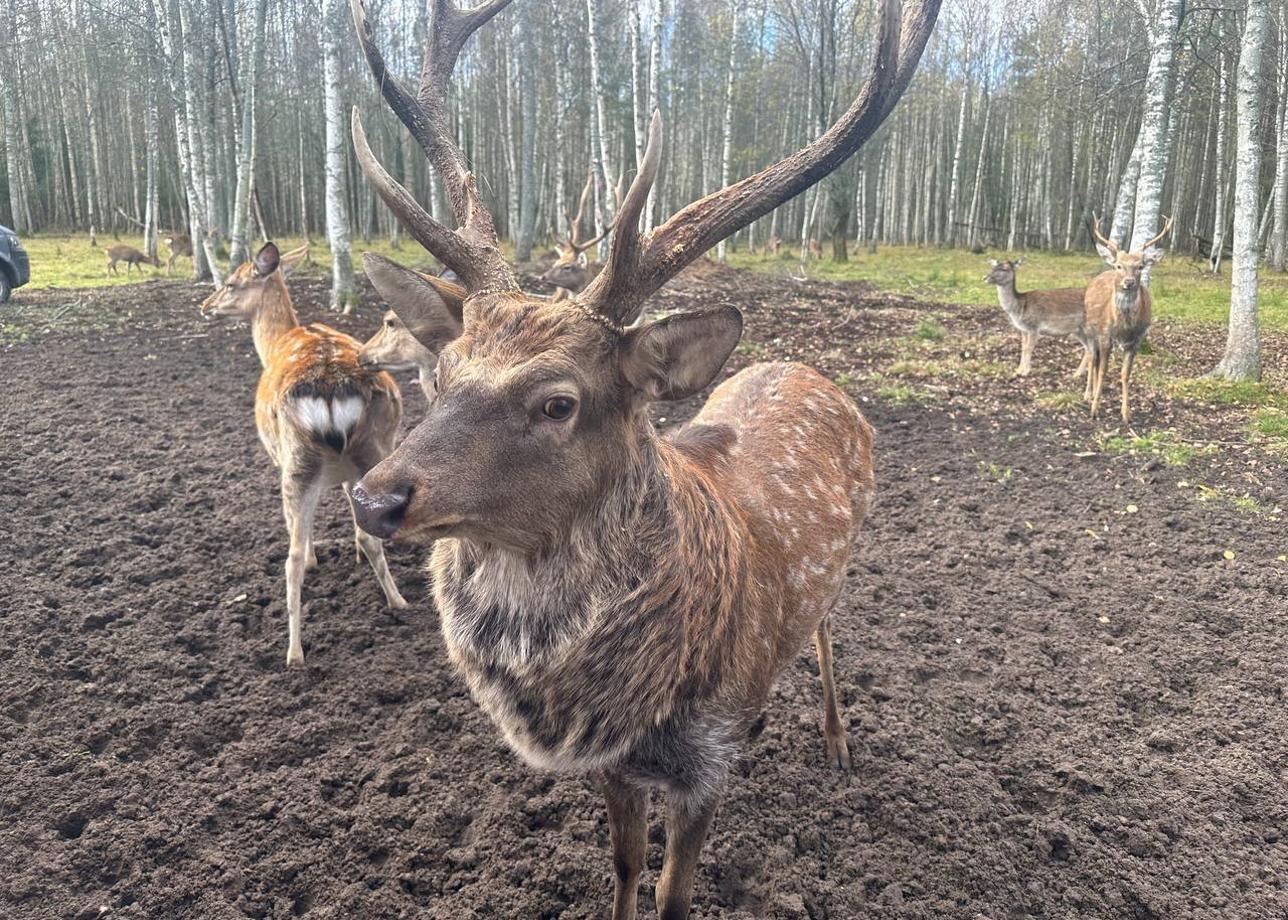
pixel 130 256
pixel 1057 312
pixel 1112 326
pixel 180 247
pixel 322 416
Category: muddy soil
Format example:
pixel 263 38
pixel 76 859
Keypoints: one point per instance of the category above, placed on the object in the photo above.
pixel 1063 673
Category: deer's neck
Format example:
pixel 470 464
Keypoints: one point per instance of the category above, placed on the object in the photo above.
pixel 1010 299
pixel 274 318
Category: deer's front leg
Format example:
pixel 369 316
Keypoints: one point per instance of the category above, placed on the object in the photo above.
pixel 687 823
pixel 1129 358
pixel 628 827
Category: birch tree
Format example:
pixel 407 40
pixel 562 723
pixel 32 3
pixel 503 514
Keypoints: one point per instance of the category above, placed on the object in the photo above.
pixel 343 292
pixel 726 149
pixel 1242 358
pixel 239 249
pixel 1155 127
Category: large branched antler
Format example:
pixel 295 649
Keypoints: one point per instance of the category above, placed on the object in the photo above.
pixel 574 245
pixel 1167 226
pixel 1101 239
pixel 471 250
pixel 636 268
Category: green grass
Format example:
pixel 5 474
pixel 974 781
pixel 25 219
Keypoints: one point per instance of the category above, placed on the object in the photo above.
pixel 904 396
pixel 1225 393
pixel 1062 401
pixel 1269 427
pixel 930 329
pixel 1182 291
pixel 1162 444
pixel 70 262
pixel 948 367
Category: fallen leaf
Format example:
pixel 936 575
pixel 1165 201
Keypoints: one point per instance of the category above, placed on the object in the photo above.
pixel 1228 554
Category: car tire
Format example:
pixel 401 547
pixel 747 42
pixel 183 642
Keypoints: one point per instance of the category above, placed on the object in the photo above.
pixel 5 288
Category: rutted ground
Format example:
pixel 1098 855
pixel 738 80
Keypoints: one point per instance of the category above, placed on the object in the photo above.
pixel 1064 699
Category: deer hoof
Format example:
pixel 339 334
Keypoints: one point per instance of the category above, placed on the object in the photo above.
pixel 295 658
pixel 838 752
pixel 398 602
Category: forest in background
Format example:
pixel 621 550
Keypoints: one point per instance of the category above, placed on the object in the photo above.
pixel 231 118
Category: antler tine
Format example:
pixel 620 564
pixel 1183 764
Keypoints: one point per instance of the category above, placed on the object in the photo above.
pixel 1100 237
pixel 471 250
pixel 632 275
pixel 1167 226
pixel 574 225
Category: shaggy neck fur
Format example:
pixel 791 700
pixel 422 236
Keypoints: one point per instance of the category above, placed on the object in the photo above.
pixel 581 652
pixel 1126 302
pixel 1010 299
pixel 274 317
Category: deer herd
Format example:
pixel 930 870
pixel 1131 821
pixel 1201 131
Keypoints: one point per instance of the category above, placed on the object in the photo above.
pixel 618 600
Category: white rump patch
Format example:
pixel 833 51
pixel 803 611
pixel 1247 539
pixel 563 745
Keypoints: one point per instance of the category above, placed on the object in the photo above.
pixel 320 416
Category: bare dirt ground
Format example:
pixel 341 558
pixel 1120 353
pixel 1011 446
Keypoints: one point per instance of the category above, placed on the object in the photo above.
pixel 1063 673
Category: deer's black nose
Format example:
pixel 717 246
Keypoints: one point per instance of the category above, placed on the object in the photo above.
pixel 380 513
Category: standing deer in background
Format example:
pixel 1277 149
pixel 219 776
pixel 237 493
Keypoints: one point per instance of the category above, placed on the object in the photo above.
pixel 130 256
pixel 1057 311
pixel 772 245
pixel 571 272
pixel 620 602
pixel 396 346
pixel 1117 305
pixel 322 417
pixel 815 249
pixel 180 245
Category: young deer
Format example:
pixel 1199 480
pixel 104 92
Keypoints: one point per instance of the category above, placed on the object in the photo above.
pixel 1117 305
pixel 1057 311
pixel 322 417
pixel 130 256
pixel 180 245
pixel 621 602
pixel 571 272
pixel 397 346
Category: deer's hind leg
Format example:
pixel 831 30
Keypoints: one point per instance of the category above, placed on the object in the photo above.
pixel 364 458
pixel 834 735
pixel 301 490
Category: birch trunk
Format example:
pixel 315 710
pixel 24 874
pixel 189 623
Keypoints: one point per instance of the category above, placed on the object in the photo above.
pixel 1242 359
pixel 600 132
pixel 955 182
pixel 726 152
pixel 1155 126
pixel 654 99
pixel 1279 246
pixel 337 212
pixel 239 250
pixel 1219 208
pixel 528 174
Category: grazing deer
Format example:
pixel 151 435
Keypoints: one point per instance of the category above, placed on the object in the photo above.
pixel 620 602
pixel 396 346
pixel 180 245
pixel 322 417
pixel 130 256
pixel 1057 311
pixel 1117 305
pixel 572 272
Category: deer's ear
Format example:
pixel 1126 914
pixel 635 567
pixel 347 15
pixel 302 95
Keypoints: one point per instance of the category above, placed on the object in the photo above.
pixel 1018 262
pixel 267 260
pixel 676 357
pixel 1106 254
pixel 423 310
pixel 293 259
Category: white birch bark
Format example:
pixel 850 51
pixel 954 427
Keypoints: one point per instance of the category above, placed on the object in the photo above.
pixel 602 145
pixel 337 210
pixel 954 183
pixel 239 249
pixel 1279 245
pixel 726 152
pixel 528 153
pixel 1242 359
pixel 654 99
pixel 1155 126
pixel 1219 208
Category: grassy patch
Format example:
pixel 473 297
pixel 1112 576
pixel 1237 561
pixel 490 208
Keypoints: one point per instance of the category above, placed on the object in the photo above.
pixel 845 380
pixel 904 396
pixel 1162 444
pixel 1059 401
pixel 1182 290
pixel 1269 427
pixel 990 470
pixel 1225 393
pixel 748 347
pixel 930 329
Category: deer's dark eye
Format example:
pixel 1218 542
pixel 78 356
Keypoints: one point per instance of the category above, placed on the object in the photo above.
pixel 559 408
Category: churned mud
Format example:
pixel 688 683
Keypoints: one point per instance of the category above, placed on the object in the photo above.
pixel 1062 670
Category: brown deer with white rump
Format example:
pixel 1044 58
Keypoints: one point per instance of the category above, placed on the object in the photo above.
pixel 571 272
pixel 322 417
pixel 1117 305
pixel 621 602
pixel 1056 311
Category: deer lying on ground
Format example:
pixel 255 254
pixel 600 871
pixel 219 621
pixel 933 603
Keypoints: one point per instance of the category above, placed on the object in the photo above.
pixel 130 256
pixel 572 272
pixel 1117 305
pixel 1057 311
pixel 180 245
pixel 322 417
pixel 619 602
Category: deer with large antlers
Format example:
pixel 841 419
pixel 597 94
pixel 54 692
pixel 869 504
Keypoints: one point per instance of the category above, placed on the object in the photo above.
pixel 621 602
pixel 1117 304
pixel 323 418
pixel 572 272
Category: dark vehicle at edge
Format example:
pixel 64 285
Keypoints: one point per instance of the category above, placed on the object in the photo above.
pixel 15 269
